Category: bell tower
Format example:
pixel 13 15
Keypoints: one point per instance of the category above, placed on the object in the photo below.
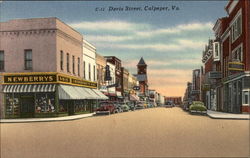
pixel 142 76
pixel 142 67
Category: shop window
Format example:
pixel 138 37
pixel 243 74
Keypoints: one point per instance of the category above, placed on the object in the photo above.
pixel 28 59
pixel 246 97
pixel 1 60
pixel 45 103
pixel 82 106
pixel 12 105
pixel 63 106
pixel 61 60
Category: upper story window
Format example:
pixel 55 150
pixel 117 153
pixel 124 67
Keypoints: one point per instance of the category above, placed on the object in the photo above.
pixel 61 60
pixel 28 59
pixel 237 54
pixel 78 66
pixel 73 64
pixel 89 72
pixel 1 60
pixel 68 62
pixel 94 72
pixel 84 71
pixel 236 28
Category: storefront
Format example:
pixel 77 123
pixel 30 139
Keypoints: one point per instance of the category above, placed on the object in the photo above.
pixel 236 93
pixel 48 95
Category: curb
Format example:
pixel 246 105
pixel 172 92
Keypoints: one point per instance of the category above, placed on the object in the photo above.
pixel 227 118
pixel 56 119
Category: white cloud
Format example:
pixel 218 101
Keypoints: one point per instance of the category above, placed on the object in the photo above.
pixel 181 44
pixel 177 29
pixel 108 38
pixel 108 25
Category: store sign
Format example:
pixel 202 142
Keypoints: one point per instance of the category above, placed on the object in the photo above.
pixel 30 78
pixel 235 66
pixel 44 78
pixel 214 75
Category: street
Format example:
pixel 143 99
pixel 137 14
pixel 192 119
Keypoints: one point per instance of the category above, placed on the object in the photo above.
pixel 153 132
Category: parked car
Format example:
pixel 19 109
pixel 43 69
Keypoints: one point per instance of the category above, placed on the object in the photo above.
pixel 169 104
pixel 125 106
pixel 105 108
pixel 139 105
pixel 150 105
pixel 131 105
pixel 118 107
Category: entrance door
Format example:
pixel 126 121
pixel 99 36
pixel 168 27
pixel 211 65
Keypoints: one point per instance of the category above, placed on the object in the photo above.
pixel 27 106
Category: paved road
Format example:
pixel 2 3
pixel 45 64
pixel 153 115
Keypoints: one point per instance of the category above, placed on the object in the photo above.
pixel 154 132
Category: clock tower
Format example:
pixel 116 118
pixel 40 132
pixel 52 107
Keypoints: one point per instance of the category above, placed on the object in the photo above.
pixel 142 77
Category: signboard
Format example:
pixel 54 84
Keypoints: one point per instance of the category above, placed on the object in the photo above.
pixel 235 66
pixel 136 88
pixel 214 75
pixel 112 85
pixel 45 78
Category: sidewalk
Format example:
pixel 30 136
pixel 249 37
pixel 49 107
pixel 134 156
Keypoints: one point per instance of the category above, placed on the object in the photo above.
pixel 66 118
pixel 223 115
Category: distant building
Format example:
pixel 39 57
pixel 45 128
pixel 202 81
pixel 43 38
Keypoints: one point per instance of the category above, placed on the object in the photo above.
pixel 142 78
pixel 174 100
pixel 195 93
pixel 100 64
pixel 118 74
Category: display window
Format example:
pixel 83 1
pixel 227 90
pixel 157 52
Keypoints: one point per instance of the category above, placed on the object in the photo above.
pixel 45 103
pixel 12 105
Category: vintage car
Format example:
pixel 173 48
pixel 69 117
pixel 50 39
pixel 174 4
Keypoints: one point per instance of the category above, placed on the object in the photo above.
pixel 106 108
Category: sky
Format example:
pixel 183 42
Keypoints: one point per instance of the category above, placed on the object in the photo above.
pixel 170 40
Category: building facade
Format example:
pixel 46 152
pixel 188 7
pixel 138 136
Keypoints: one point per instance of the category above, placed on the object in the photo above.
pixel 233 36
pixel 124 82
pixel 118 74
pixel 42 73
pixel 100 64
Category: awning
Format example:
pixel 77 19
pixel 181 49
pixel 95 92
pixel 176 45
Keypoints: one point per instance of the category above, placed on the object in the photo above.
pixel 134 98
pixel 73 92
pixel 102 96
pixel 29 88
pixel 67 92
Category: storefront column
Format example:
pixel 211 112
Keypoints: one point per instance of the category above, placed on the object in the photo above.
pixel 57 100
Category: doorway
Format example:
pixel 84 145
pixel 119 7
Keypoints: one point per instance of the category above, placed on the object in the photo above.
pixel 27 106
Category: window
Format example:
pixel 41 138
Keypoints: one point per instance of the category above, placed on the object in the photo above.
pixel 78 66
pixel 94 72
pixel 68 62
pixel 84 71
pixel 28 59
pixel 73 64
pixel 237 54
pixel 236 28
pixel 89 72
pixel 245 97
pixel 61 60
pixel 1 60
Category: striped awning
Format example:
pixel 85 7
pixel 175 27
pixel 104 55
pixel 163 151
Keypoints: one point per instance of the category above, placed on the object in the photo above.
pixel 29 88
pixel 101 95
pixel 67 92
